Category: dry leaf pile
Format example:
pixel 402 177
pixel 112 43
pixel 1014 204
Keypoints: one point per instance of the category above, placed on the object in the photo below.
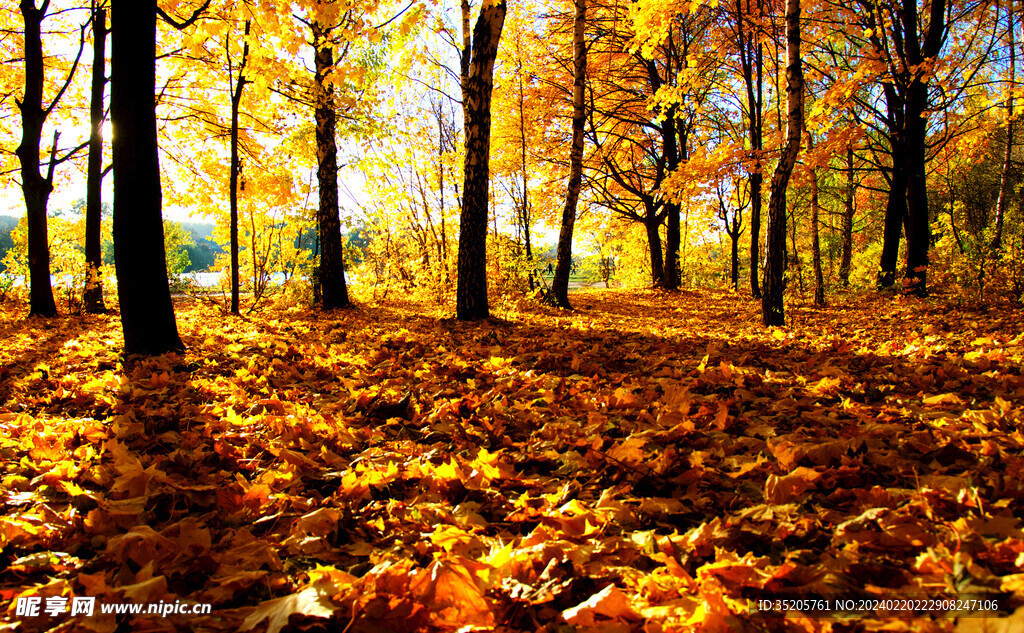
pixel 649 463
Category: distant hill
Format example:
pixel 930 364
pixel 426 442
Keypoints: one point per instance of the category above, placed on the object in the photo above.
pixel 204 252
pixel 7 224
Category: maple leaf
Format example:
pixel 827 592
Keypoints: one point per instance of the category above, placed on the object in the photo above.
pixel 610 602
pixel 309 601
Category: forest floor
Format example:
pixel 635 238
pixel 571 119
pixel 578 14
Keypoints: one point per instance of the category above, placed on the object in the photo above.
pixel 651 462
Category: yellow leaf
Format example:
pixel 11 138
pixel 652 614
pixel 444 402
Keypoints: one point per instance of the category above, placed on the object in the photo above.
pixel 308 601
pixel 610 602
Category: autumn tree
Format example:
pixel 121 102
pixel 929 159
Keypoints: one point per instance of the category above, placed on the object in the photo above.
pixel 730 213
pixel 92 298
pixel 147 314
pixel 772 308
pixel 331 271
pixel 237 82
pixel 36 186
pixel 746 18
pixel 1006 177
pixel 477 67
pixel 560 283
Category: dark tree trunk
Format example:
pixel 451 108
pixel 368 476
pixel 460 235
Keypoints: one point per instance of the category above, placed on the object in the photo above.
pixel 819 278
pixel 895 213
pixel 847 227
pixel 756 180
pixel 36 187
pixel 92 299
pixel 560 284
pixel 525 209
pixel 478 79
pixel 752 63
pixel 147 314
pixel 1005 186
pixel 331 272
pixel 672 159
pixel 652 222
pixel 918 225
pixel 237 87
pixel 772 308
pixel 734 259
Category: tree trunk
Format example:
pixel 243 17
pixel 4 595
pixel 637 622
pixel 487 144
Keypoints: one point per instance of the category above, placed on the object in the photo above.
pixel 652 222
pixel 819 278
pixel 147 314
pixel 560 284
pixel 895 212
pixel 92 299
pixel 1005 187
pixel 918 227
pixel 331 272
pixel 772 309
pixel 34 185
pixel 734 259
pixel 672 160
pixel 847 228
pixel 237 86
pixel 525 210
pixel 752 62
pixel 471 292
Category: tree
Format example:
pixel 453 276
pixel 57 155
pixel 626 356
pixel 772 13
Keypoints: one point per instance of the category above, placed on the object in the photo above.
pixel 34 184
pixel 331 277
pixel 147 314
pixel 819 278
pixel 478 56
pixel 746 22
pixel 237 82
pixel 846 230
pixel 732 219
pixel 772 308
pixel 92 298
pixel 560 283
pixel 1003 202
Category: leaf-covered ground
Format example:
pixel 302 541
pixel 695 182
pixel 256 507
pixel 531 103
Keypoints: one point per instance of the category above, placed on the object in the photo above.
pixel 649 463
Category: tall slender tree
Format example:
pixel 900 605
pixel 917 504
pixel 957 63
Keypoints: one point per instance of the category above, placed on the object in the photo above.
pixel 1005 185
pixel 35 186
pixel 479 52
pixel 92 298
pixel 237 82
pixel 746 18
pixel 147 313
pixel 772 307
pixel 331 278
pixel 560 283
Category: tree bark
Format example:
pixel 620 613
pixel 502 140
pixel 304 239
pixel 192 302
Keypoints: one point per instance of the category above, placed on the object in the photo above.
pixel 918 227
pixel 752 63
pixel 237 87
pixel 772 308
pixel 92 298
pixel 560 283
pixel 1005 187
pixel 652 222
pixel 147 314
pixel 525 210
pixel 895 213
pixel 331 272
pixel 819 278
pixel 471 291
pixel 34 185
pixel 672 160
pixel 847 226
